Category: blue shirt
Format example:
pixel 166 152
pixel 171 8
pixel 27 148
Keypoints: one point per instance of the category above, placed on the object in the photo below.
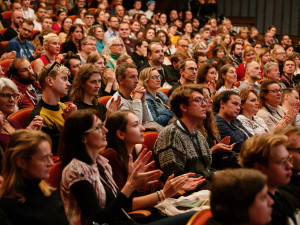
pixel 22 49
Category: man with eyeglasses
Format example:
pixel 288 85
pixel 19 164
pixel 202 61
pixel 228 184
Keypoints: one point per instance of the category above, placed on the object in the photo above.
pixel 287 79
pixel 21 45
pixel 293 134
pixel 112 31
pixel 156 56
pixel 268 154
pixel 188 73
pixel 183 45
pixel 88 45
pixel 89 20
pixel 180 148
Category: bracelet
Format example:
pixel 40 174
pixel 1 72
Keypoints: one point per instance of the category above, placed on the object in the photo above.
pixel 158 196
pixel 163 194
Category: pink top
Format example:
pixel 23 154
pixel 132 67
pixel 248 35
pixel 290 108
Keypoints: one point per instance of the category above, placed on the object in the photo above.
pixel 55 27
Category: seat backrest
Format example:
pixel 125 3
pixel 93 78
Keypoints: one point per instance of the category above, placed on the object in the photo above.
pixel 104 99
pixel 55 175
pixel 200 218
pixel 149 139
pixel 73 17
pixel 6 15
pixel 21 116
pixel 164 90
pixel 2 31
pixel 5 63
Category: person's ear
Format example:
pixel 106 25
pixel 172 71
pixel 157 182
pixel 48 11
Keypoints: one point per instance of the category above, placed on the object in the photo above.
pixel 183 107
pixel 49 81
pixel 120 134
pixel 21 164
pixel 260 167
pixel 83 139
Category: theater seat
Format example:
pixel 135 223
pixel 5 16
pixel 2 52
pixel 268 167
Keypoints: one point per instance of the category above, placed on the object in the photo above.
pixel 55 175
pixel 33 33
pixel 149 139
pixel 104 99
pixel 5 64
pixel 73 17
pixel 200 218
pixel 4 44
pixel 21 116
pixel 6 15
pixel 2 31
pixel 164 90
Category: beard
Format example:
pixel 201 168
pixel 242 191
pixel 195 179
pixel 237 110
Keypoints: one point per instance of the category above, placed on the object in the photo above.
pixel 28 80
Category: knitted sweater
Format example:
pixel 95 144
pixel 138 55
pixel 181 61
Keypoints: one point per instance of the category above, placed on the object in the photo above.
pixel 175 152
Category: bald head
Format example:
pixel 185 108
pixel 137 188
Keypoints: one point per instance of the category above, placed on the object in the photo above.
pixel 16 19
pixel 252 70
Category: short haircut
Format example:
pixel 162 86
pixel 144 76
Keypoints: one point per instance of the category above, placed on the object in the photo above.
pixel 287 130
pixel 46 17
pixel 286 91
pixel 289 59
pixel 203 29
pixel 66 60
pixel 29 22
pixel 150 46
pixel 183 63
pixel 233 208
pixel 196 56
pixel 183 38
pixel 258 149
pixel 48 38
pixel 181 95
pixel 268 65
pixel 139 42
pixel 122 68
pixel 234 45
pixel 8 83
pixel 46 73
pixel 178 54
pixel 89 13
pixel 109 19
pixel 85 40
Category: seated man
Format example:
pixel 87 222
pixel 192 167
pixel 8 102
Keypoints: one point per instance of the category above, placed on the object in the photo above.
pixel 127 77
pixel 88 45
pixel 289 98
pixel 21 45
pixel 22 74
pixel 287 79
pixel 13 30
pixel 139 56
pixel 180 148
pixel 268 154
pixel 54 82
pixel 39 14
pixel 252 75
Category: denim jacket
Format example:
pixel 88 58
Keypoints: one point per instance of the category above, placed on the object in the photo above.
pixel 159 111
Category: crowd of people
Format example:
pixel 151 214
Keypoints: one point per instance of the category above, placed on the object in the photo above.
pixel 225 104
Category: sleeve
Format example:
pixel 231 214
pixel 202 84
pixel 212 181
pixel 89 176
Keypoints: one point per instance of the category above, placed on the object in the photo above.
pixel 87 200
pixel 246 124
pixel 163 117
pixel 13 46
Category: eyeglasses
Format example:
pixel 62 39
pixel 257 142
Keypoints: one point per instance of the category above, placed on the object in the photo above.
pixel 184 46
pixel 90 44
pixel 294 149
pixel 117 45
pixel 191 69
pixel 8 96
pixel 275 91
pixel 99 127
pixel 47 158
pixel 155 77
pixel 285 161
pixel 280 53
pixel 200 101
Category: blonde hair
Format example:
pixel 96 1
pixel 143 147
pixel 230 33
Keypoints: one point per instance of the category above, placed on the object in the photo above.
pixel 56 69
pixel 145 75
pixel 260 54
pixel 48 38
pixel 22 145
pixel 247 50
pixel 274 50
pixel 258 149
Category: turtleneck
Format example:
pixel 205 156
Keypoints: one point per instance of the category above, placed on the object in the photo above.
pixel 115 56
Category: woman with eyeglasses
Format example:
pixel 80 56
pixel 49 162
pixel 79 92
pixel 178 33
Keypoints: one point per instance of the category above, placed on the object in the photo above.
pixel 227 107
pixel 249 108
pixel 114 48
pixel 87 180
pixel 52 48
pixel 269 106
pixel 109 84
pixel 25 197
pixel 9 96
pixel 158 102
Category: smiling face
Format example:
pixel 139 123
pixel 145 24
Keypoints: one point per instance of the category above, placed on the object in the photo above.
pixel 135 26
pixel 250 56
pixel 38 166
pixel 150 34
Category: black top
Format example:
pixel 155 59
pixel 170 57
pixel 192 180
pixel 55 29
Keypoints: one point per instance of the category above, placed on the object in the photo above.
pixel 37 208
pixel 69 46
pixel 138 59
pixel 10 34
pixel 99 107
pixel 178 84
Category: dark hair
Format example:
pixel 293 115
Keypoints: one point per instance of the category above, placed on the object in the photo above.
pixel 72 29
pixel 264 84
pixel 71 142
pixel 168 42
pixel 224 69
pixel 176 55
pixel 89 13
pixel 233 208
pixel 122 68
pixel 224 97
pixel 66 60
pixel 216 49
pixel 244 95
pixel 234 45
pixel 146 30
pixel 118 121
pixel 202 72
pixel 62 24
pixel 289 59
pixel 29 22
pixel 196 55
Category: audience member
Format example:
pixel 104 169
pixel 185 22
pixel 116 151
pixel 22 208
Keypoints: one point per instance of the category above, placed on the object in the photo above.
pixel 207 75
pixel 249 55
pixel 285 40
pixel 136 8
pixel 39 14
pixel 150 9
pixel 287 78
pixel 271 71
pixel 249 108
pixel 25 196
pixel 73 39
pixel 65 29
pixel 290 99
pixel 236 54
pixel 139 56
pixel 61 15
pixel 278 55
pixel 27 12
pixel 268 40
pixel 88 20
pixel 188 74
pixel 112 30
pixel 200 58
pixel 22 75
pixel 158 102
pixel 252 75
pixel 88 46
pixel 183 45
pixel 78 5
pixel 54 82
pixel 124 32
pixel 13 30
pixel 80 16
pixel 226 79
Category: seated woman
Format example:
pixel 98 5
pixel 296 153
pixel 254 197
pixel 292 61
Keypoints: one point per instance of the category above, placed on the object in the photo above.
pixel 158 102
pixel 73 39
pixel 114 48
pixel 25 197
pixel 97 31
pixel 109 84
pixel 269 106
pixel 87 179
pixel 226 79
pixel 65 28
pixel 85 90
pixel 207 75
pixel 60 16
pixel 125 136
pixel 249 108
pixel 248 204
pixel 52 48
pixel 80 16
pixel 9 96
pixel 222 156
pixel 227 107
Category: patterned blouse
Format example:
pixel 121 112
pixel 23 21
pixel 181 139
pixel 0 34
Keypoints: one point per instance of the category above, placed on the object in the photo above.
pixel 255 126
pixel 77 171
